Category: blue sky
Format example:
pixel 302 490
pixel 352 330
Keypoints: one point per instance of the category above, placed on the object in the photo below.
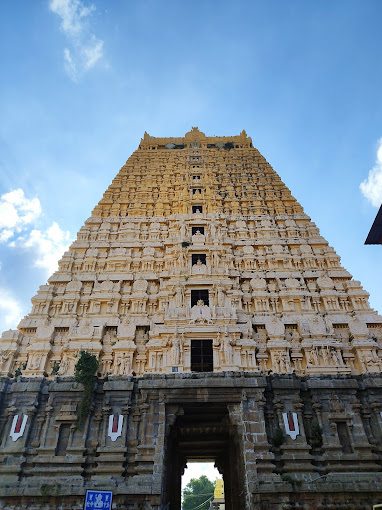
pixel 81 81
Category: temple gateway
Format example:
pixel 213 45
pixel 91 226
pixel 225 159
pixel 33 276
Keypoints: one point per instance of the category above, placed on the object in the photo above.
pixel 225 330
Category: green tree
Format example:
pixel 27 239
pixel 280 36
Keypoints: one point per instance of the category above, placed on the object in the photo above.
pixel 85 370
pixel 196 492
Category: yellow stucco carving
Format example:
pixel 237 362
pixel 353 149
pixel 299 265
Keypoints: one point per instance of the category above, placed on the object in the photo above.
pixel 278 298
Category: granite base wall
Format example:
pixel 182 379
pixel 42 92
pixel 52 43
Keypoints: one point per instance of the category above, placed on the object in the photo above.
pixel 53 463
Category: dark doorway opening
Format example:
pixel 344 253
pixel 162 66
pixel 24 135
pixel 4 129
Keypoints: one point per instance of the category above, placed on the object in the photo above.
pixel 201 356
pixel 197 209
pixel 203 432
pixel 198 294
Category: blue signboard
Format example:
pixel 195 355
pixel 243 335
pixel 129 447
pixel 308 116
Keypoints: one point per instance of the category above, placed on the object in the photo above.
pixel 98 500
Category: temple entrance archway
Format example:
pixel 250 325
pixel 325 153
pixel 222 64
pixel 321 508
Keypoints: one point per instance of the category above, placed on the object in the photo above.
pixel 203 432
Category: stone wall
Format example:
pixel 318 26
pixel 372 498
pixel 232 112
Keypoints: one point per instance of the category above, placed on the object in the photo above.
pixel 265 425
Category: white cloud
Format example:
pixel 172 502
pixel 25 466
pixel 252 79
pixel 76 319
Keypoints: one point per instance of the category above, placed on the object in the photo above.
pixel 72 13
pixel 48 246
pixel 5 235
pixel 10 310
pixel 19 228
pixel 371 187
pixel 16 213
pixel 197 469
pixel 70 66
pixel 92 54
pixel 87 49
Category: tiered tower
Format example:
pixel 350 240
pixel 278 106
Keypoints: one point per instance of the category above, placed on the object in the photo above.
pixel 197 260
pixel 191 220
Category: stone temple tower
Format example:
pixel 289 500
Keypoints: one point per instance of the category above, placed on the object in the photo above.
pixel 226 330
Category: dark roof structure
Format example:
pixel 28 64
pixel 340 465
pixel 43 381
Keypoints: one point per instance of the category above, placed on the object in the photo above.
pixel 375 234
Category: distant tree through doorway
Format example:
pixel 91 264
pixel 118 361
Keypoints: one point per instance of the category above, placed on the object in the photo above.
pixel 198 493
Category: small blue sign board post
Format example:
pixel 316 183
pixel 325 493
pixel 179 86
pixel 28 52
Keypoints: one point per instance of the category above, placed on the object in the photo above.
pixel 98 500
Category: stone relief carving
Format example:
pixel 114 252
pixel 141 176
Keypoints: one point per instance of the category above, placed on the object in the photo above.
pixel 200 313
pixel 274 271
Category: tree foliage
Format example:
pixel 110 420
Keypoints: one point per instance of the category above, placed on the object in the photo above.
pixel 196 492
pixel 85 370
pixel 315 439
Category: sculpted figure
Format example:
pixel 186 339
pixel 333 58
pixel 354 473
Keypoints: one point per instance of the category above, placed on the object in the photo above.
pixel 4 355
pixel 36 360
pixel 182 229
pixel 105 366
pixel 64 365
pixel 220 295
pixel 295 336
pixel 176 349
pixel 182 259
pixel 336 357
pixel 124 364
pixel 315 356
pixel 215 259
pixel 179 296
pixel 217 342
pixel 328 326
pixel 371 359
pixel 281 362
pixel 226 347
pixel 325 355
pixel 213 228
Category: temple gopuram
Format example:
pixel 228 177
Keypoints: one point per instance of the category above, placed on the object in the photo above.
pixel 222 328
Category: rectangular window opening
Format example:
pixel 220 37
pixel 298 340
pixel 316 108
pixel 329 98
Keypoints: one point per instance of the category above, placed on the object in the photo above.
pixel 196 190
pixel 201 356
pixel 198 294
pixel 198 256
pixel 197 209
pixel 194 230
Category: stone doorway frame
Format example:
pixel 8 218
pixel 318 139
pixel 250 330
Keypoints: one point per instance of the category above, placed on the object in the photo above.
pixel 204 431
